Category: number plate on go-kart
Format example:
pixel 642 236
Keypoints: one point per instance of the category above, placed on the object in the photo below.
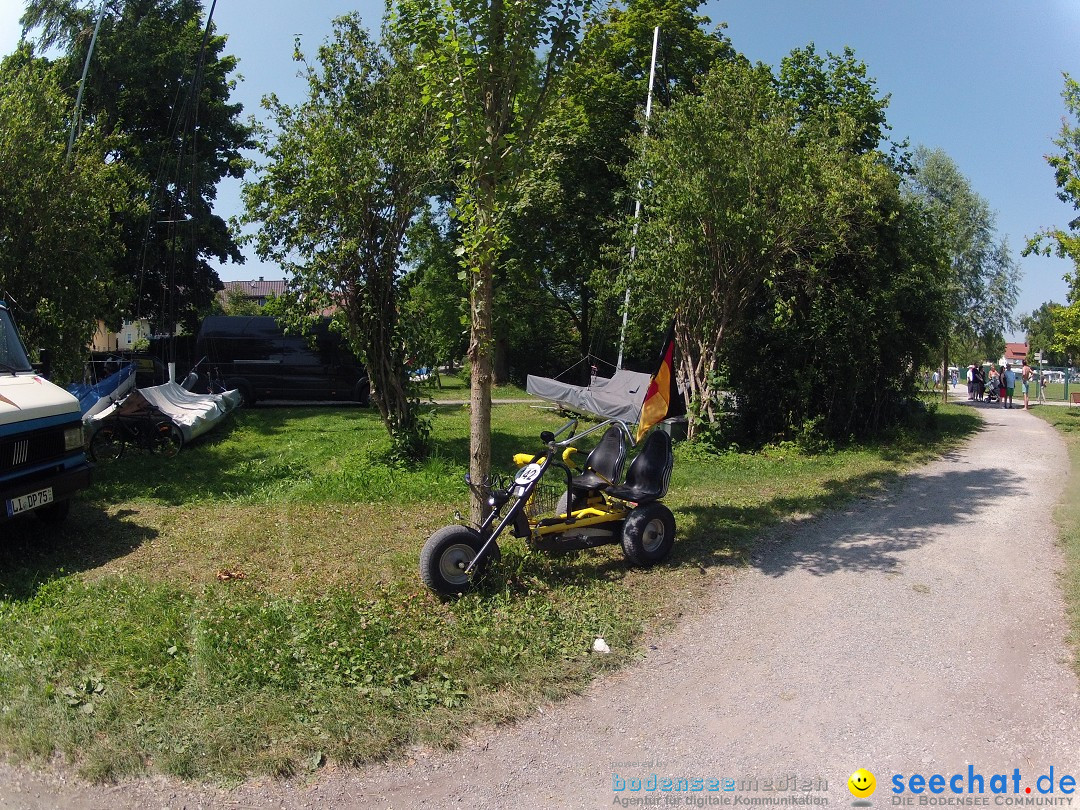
pixel 526 475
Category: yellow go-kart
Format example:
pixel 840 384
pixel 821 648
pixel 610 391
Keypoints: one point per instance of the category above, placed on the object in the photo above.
pixel 579 509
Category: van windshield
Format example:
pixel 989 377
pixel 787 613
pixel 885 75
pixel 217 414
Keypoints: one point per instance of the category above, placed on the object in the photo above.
pixel 12 355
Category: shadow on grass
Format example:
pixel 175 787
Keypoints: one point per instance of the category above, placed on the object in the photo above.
pixel 34 554
pixel 504 445
pixel 901 446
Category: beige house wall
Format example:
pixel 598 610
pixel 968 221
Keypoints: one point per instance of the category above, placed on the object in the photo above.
pixel 124 340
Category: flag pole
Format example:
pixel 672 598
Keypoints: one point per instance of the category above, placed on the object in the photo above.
pixel 637 201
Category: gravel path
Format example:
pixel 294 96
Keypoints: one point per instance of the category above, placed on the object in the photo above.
pixel 918 632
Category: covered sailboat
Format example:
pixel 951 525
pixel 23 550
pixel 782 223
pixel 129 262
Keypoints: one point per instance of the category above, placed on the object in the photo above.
pixel 616 397
pixel 193 414
pixel 95 397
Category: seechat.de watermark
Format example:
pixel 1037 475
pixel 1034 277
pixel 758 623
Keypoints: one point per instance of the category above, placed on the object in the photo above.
pixel 975 788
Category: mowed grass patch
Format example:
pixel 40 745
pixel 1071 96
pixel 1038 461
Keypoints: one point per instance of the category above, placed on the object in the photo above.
pixel 455 387
pixel 253 607
pixel 1067 517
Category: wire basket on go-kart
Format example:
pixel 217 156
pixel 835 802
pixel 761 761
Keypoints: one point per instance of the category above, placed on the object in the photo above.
pixel 543 501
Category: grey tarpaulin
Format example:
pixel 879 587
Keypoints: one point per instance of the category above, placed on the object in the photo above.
pixel 619 397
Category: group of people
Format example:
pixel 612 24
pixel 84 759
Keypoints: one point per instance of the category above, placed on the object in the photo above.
pixel 1001 381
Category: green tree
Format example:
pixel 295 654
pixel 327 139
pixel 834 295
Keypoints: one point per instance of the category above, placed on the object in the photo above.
pixel 1041 334
pixel 58 239
pixel 835 92
pixel 728 199
pixel 480 73
pixel 348 171
pixel 434 308
pixel 236 303
pixel 803 284
pixel 564 247
pixel 159 86
pixel 1065 242
pixel 985 278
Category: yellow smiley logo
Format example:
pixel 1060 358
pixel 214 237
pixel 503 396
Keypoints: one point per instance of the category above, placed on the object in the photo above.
pixel 862 783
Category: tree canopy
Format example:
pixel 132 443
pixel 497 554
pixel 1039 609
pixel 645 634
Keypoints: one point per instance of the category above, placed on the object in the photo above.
pixel 58 234
pixel 1065 242
pixel 158 88
pixel 985 278
pixel 775 235
pixel 348 171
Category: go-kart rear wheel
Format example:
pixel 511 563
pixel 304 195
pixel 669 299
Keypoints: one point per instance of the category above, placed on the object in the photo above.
pixel 447 554
pixel 648 534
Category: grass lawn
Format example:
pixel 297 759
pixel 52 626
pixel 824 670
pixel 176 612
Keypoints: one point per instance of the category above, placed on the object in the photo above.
pixel 455 388
pixel 1067 423
pixel 253 606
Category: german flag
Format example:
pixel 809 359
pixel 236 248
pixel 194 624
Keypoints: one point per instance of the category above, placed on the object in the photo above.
pixel 663 399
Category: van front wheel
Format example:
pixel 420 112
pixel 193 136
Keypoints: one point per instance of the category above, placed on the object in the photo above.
pixel 362 393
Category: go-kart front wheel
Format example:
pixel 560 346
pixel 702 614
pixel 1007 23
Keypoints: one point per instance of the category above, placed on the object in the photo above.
pixel 447 554
pixel 648 534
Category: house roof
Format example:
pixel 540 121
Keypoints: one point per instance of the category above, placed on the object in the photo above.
pixel 1016 351
pixel 256 288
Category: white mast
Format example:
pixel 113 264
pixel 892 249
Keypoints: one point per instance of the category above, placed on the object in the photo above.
pixel 82 82
pixel 637 202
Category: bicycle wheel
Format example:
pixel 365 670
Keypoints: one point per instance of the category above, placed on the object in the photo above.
pixel 166 439
pixel 107 444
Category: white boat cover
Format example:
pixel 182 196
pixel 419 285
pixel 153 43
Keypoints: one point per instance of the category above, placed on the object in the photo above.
pixel 617 397
pixel 194 414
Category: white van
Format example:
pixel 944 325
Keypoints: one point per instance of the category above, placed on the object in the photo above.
pixel 42 462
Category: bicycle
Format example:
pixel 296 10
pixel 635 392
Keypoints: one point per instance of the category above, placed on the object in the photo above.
pixel 142 426
pixel 591 509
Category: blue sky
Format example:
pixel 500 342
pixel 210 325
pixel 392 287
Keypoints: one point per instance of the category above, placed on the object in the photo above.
pixel 980 80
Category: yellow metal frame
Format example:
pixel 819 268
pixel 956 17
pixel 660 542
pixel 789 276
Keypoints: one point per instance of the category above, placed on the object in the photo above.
pixel 595 515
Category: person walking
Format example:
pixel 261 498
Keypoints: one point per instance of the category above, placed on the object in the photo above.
pixel 971 382
pixel 1025 382
pixel 1042 389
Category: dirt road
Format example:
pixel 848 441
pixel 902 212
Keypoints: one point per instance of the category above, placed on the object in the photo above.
pixel 914 634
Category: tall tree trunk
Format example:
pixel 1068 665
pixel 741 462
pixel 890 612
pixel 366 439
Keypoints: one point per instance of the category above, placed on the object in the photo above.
pixel 584 329
pixel 481 345
pixel 945 373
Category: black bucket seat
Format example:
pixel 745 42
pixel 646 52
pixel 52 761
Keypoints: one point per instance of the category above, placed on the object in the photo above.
pixel 650 471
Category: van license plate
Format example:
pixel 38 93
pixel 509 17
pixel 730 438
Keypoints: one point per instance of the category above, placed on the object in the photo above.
pixel 24 503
